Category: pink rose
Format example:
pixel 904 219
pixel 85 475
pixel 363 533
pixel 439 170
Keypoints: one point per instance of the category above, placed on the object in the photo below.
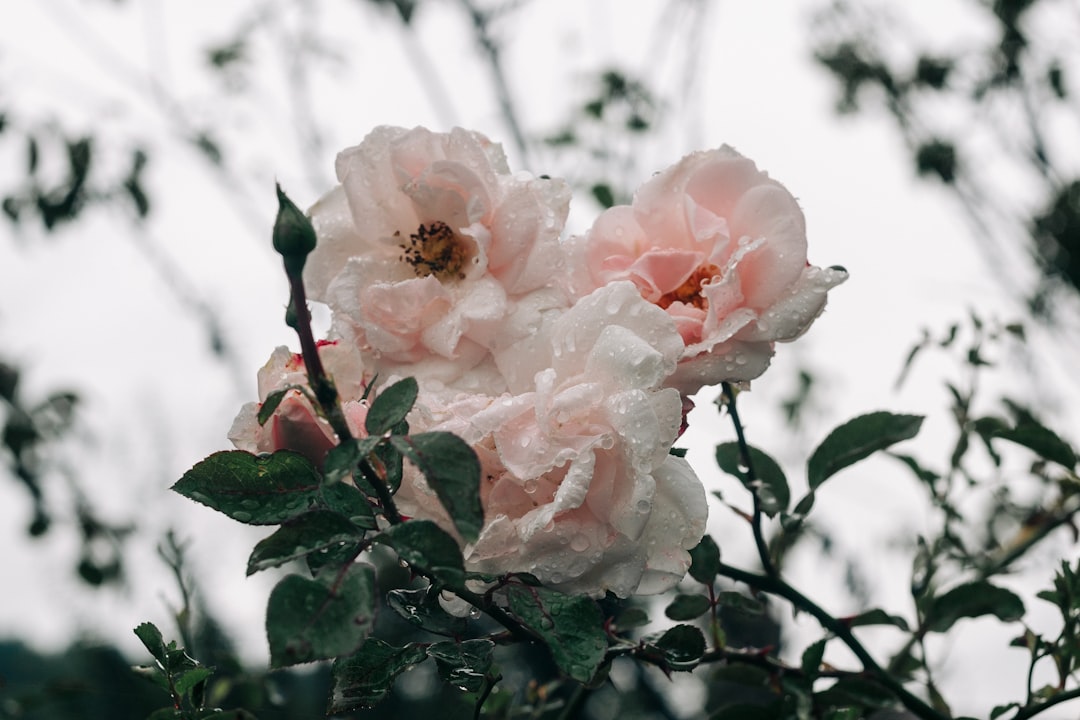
pixel 427 244
pixel 721 247
pixel 577 484
pixel 295 424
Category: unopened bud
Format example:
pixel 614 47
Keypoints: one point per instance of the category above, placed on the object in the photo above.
pixel 294 235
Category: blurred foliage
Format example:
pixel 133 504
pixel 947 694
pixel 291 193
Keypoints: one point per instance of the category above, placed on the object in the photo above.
pixel 983 114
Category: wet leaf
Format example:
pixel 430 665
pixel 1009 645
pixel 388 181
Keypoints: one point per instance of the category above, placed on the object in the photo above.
pixel 308 533
pixel 253 489
pixel 682 646
pixel 453 472
pixel 570 626
pixel 319 619
pixel 771 484
pixel 705 561
pixel 390 407
pixel 421 608
pixel 465 664
pixel 364 678
pixel 423 544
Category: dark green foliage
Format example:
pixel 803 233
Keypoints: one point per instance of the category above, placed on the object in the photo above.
pixel 390 406
pixel 857 439
pixel 364 678
pixel 705 561
pixel 463 665
pixel 973 600
pixel 428 547
pixel 681 647
pixel 421 608
pixel 688 607
pixel 253 489
pixel 453 471
pixel 769 482
pixel 320 619
pixel 569 625
pixel 311 532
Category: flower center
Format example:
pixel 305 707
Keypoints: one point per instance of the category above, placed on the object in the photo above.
pixel 690 291
pixel 435 249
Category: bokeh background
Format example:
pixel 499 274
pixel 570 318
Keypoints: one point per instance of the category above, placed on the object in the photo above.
pixel 935 148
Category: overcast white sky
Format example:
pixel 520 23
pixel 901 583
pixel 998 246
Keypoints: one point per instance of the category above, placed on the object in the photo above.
pixel 84 308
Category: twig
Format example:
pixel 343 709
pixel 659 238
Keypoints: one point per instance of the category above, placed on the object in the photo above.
pixel 777 586
pixel 752 482
pixel 1033 710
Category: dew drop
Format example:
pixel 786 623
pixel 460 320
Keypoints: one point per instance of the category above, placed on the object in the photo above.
pixel 580 543
pixel 241 516
pixel 643 506
pixel 530 486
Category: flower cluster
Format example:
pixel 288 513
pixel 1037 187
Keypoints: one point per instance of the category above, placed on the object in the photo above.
pixel 566 364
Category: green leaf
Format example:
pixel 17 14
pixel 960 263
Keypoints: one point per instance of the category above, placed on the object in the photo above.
pixel 308 533
pixel 705 561
pixel 342 460
pixel 187 680
pixel 630 618
pixel 688 607
pixel 421 608
pixel 463 665
pixel 271 403
pixel 1039 439
pixel 682 646
pixel 812 657
pixel 1000 710
pixel 425 545
pixel 310 620
pixel 346 500
pixel 364 678
pixel 253 489
pixel 771 484
pixel 391 406
pixel 858 439
pixel 393 464
pixel 453 472
pixel 603 194
pixel 151 638
pixel 973 600
pixel 570 625
pixel 740 602
pixel 877 616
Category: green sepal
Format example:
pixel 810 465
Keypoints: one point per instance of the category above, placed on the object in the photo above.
pixel 294 235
